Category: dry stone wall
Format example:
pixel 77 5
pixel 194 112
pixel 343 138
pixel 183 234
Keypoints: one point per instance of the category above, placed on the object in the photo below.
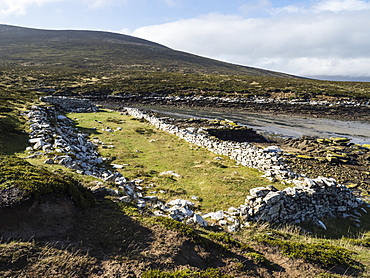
pixel 267 160
pixel 71 104
pixel 308 199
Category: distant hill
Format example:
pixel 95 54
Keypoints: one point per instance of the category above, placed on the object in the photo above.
pixel 96 50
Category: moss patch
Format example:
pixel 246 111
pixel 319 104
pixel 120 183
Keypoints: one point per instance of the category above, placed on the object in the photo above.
pixel 209 273
pixel 326 255
pixel 36 181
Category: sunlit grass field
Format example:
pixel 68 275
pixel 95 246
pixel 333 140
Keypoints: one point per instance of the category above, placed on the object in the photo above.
pixel 146 152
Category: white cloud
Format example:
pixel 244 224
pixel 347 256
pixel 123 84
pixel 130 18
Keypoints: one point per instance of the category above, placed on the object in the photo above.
pixel 19 7
pixel 341 5
pixel 304 41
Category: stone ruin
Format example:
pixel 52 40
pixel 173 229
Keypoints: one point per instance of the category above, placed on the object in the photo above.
pixel 71 104
pixel 310 199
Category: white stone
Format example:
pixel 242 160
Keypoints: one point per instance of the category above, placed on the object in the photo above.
pixel 116 166
pixel 272 197
pixel 218 215
pixel 49 161
pixel 232 228
pixel 199 220
pixel 181 202
pixel 222 222
pixel 170 173
pixel 321 224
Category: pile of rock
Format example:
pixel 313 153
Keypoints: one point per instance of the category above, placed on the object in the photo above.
pixel 310 199
pixel 71 104
pixel 53 135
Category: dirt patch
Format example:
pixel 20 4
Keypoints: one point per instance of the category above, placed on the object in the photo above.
pixel 42 217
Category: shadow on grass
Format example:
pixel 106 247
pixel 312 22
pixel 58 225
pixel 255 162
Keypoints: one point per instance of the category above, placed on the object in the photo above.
pixel 338 227
pixel 11 143
pixel 103 231
pixel 106 231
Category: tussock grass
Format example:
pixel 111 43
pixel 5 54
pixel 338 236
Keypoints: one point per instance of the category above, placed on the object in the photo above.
pixel 327 255
pixel 326 252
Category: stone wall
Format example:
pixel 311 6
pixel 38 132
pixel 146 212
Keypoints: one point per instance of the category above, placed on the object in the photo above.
pixel 267 160
pixel 309 199
pixel 71 104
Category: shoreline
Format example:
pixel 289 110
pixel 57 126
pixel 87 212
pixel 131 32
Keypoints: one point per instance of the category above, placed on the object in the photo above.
pixel 344 113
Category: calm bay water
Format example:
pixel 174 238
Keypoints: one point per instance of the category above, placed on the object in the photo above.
pixel 286 126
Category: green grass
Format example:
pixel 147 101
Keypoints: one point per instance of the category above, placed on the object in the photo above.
pixel 147 152
pixel 328 253
pixel 36 181
pixel 209 273
pixel 12 125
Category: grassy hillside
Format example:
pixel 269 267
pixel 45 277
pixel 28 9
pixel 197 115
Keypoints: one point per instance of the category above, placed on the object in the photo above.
pixel 36 79
pixel 92 61
pixel 102 50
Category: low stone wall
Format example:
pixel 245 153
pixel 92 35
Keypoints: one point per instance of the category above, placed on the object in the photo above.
pixel 71 104
pixel 53 135
pixel 267 160
pixel 310 199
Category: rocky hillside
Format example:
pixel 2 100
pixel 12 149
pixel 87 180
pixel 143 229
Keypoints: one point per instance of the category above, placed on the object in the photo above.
pixel 103 50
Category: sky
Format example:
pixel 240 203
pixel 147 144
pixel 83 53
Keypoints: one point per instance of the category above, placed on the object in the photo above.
pixel 325 39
